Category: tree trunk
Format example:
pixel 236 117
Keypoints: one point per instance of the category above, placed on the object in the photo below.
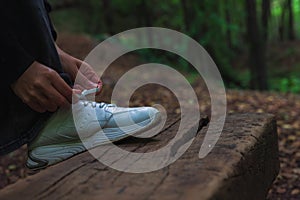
pixel 185 11
pixel 107 13
pixel 257 49
pixel 291 28
pixel 228 21
pixel 147 14
pixel 266 11
pixel 193 25
pixel 283 28
pixel 64 5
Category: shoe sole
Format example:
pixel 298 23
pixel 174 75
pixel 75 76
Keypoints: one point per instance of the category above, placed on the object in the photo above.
pixel 44 156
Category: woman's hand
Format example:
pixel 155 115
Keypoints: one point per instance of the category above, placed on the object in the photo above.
pixel 42 89
pixel 86 77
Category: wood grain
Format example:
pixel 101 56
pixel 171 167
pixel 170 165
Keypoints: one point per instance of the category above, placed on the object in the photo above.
pixel 242 165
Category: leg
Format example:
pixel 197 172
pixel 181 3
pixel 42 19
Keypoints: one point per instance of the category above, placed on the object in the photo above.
pixel 31 26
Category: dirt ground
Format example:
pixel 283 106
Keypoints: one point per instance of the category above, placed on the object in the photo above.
pixel 286 108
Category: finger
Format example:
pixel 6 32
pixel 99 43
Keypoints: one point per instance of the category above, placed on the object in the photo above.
pixel 36 106
pixel 89 72
pixel 83 81
pixel 46 102
pixel 37 97
pixel 78 87
pixel 30 98
pixel 77 91
pixel 87 76
pixel 99 85
pixel 54 96
pixel 62 87
pixel 76 96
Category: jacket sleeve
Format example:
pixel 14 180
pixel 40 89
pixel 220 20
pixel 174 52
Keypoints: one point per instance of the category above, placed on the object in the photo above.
pixel 14 60
pixel 49 9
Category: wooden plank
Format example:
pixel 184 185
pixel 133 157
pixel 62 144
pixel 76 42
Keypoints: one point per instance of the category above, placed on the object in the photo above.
pixel 242 165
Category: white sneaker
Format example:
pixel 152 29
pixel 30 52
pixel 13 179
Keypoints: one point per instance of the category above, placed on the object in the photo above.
pixel 97 123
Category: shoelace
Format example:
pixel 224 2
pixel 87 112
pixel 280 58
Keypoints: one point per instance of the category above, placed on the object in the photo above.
pixel 96 104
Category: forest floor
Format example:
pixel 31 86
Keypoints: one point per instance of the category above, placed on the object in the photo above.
pixel 286 108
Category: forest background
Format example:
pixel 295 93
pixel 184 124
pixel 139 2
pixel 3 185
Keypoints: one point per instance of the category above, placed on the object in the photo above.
pixel 255 44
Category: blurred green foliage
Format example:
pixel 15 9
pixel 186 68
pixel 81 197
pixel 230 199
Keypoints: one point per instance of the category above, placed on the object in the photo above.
pixel 218 25
pixel 289 84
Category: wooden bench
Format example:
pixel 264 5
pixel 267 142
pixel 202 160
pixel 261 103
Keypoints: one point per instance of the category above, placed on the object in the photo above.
pixel 242 165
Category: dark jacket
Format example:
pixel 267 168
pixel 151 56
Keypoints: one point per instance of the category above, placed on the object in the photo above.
pixel 26 35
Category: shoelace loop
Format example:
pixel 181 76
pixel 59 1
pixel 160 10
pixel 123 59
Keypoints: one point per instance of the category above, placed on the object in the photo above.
pixel 94 104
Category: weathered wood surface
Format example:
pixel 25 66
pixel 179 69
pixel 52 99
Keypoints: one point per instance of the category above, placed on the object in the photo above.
pixel 242 165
